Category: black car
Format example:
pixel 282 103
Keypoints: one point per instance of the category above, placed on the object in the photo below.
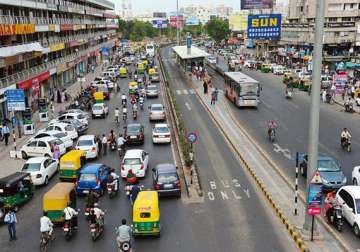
pixel 166 180
pixel 80 127
pixel 134 133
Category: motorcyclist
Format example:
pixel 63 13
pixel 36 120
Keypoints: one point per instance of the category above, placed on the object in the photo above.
pixel 117 113
pixel 131 177
pixel 99 215
pixel 330 202
pixel 120 141
pixel 133 99
pixel 345 136
pixel 71 216
pixel 46 226
pixel 91 198
pixel 349 105
pixel 124 112
pixel 113 179
pixel 123 99
pixel 134 110
pixel 135 189
pixel 123 233
pixel 271 126
pixel 141 102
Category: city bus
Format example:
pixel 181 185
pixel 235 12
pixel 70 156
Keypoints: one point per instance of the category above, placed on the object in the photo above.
pixel 241 89
pixel 150 49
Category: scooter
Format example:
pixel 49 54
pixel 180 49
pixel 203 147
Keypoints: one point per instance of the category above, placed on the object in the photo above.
pixel 113 145
pixel 335 217
pixel 69 229
pixel 124 117
pixel 349 107
pixel 121 150
pixel 329 99
pixel 87 212
pixel 272 135
pixel 141 103
pixel 125 247
pixel 134 115
pixel 111 189
pixel 346 145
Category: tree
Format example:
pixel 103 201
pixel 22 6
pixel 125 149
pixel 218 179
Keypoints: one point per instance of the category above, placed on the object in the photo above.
pixel 195 30
pixel 217 29
pixel 136 30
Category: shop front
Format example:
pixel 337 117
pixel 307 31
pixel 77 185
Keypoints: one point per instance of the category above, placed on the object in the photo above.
pixel 3 105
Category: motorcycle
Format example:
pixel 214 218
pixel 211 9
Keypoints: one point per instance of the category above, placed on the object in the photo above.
pixel 349 107
pixel 121 150
pixel 288 94
pixel 335 217
pixel 134 115
pixel 141 103
pixel 96 230
pixel 111 189
pixel 69 229
pixel 45 240
pixel 272 135
pixel 124 117
pixel 125 247
pixel 123 102
pixel 329 99
pixel 346 144
pixel 113 145
pixel 87 212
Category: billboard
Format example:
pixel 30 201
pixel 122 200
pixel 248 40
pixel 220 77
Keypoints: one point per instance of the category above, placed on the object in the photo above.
pixel 256 4
pixel 180 21
pixel 159 14
pixel 159 23
pixel 264 26
pixel 238 22
pixel 192 21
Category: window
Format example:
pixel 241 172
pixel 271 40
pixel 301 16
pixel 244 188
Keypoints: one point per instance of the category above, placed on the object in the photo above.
pixel 58 128
pixel 347 198
pixel 32 144
pixel 333 19
pixel 41 144
pixel 145 215
pixel 42 135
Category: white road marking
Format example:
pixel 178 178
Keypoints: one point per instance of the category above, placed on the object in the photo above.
pixel 211 196
pixel 178 92
pixel 185 91
pixel 247 193
pixel 188 106
pixel 191 91
pixel 286 152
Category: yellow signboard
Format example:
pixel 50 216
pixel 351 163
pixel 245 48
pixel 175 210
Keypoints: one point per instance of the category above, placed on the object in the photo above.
pixel 12 29
pixel 52 27
pixel 57 47
pixel 238 21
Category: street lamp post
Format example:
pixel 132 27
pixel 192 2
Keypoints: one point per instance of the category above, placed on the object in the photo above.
pixel 315 101
pixel 177 23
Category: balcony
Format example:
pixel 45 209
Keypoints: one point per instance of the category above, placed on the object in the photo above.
pixel 29 73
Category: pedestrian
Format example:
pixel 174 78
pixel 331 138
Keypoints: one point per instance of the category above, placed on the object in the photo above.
pixel 99 143
pixel 213 98
pixel 205 85
pixel 56 151
pixel 343 94
pixel 104 142
pixel 333 91
pixel 58 95
pixel 10 220
pixel 324 96
pixel 352 91
pixel 5 131
pixel 216 93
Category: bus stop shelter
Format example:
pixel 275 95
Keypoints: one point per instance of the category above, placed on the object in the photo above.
pixel 188 58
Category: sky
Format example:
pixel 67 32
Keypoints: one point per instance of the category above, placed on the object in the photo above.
pixel 142 6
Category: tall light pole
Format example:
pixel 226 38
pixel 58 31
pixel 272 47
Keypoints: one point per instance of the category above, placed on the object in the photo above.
pixel 315 99
pixel 177 23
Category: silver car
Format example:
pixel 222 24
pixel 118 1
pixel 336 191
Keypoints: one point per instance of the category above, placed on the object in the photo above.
pixel 157 112
pixel 152 91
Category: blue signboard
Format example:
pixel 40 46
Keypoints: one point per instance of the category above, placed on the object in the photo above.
pixel 15 99
pixel 192 21
pixel 188 41
pixel 264 26
pixel 105 51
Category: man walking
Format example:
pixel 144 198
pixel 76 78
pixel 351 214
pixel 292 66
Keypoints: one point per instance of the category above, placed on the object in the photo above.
pixel 5 131
pixel 10 220
pixel 104 143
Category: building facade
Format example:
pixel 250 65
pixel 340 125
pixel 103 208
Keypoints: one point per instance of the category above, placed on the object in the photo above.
pixel 341 30
pixel 205 13
pixel 48 44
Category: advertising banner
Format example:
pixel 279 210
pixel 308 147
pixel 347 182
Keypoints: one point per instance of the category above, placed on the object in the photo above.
pixel 264 26
pixel 16 29
pixel 180 21
pixel 256 4
pixel 159 23
pixel 238 21
pixel 29 83
pixel 192 21
pixel 15 99
pixel 57 47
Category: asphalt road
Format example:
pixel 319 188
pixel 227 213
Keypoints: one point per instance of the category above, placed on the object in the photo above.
pixel 233 215
pixel 292 117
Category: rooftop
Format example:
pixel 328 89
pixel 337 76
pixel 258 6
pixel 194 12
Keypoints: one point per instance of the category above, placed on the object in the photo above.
pixel 181 51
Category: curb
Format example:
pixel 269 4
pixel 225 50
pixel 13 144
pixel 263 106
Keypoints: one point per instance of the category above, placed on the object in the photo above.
pixel 290 228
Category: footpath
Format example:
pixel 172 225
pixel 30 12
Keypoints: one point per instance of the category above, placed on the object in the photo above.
pixel 279 194
pixel 9 165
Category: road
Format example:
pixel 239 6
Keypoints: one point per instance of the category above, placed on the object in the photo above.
pixel 292 117
pixel 233 215
pixel 223 219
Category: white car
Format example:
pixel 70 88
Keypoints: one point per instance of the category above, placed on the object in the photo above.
pixel 99 110
pixel 157 112
pixel 68 142
pixel 355 175
pixel 41 169
pixel 88 144
pixel 41 147
pixel 278 70
pixel 107 83
pixel 211 59
pixel 161 133
pixel 79 111
pixel 78 116
pixel 152 91
pixel 349 198
pixel 137 160
pixel 64 127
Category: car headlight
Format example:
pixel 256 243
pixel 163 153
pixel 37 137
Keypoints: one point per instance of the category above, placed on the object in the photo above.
pixel 344 180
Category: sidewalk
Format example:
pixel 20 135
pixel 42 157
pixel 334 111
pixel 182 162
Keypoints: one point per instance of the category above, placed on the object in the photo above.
pixel 278 192
pixel 10 165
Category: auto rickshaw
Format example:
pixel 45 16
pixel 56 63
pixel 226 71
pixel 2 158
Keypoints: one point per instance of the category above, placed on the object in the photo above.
pixel 99 97
pixel 70 164
pixel 123 72
pixel 15 190
pixel 265 68
pixel 146 214
pixel 154 75
pixel 140 68
pixel 57 198
pixel 133 87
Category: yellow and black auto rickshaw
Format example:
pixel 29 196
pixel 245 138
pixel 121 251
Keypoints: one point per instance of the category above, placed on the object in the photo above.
pixel 70 165
pixel 57 198
pixel 123 72
pixel 140 68
pixel 146 214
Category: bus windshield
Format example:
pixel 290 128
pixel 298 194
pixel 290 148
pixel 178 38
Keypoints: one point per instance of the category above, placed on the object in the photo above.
pixel 250 89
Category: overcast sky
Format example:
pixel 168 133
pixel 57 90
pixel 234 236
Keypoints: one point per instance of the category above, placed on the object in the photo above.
pixel 141 6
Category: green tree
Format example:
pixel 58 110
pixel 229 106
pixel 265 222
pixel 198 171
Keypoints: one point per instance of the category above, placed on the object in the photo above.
pixel 195 30
pixel 217 29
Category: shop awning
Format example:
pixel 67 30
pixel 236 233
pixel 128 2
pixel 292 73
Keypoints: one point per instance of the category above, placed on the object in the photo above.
pixel 9 51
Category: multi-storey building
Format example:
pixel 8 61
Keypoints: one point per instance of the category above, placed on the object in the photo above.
pixel 341 36
pixel 48 44
pixel 205 13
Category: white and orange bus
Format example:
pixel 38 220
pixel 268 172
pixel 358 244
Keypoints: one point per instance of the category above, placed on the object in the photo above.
pixel 241 89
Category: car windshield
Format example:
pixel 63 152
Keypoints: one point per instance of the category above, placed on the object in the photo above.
pixel 164 178
pixel 97 107
pixel 29 167
pixel 69 128
pixel 132 161
pixel 85 143
pixel 327 165
pixel 161 130
pixel 249 89
pixel 102 89
pixel 133 129
pixel 152 88
pixel 156 108
pixel 60 135
pixel 56 141
pixel 88 177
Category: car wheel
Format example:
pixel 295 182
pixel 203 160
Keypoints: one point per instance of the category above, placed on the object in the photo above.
pixel 24 155
pixel 46 180
pixel 356 230
pixel 355 181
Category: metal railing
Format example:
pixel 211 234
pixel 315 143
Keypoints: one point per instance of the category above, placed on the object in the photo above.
pixel 31 72
pixel 7 19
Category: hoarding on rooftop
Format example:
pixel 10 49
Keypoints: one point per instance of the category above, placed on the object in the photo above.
pixel 256 4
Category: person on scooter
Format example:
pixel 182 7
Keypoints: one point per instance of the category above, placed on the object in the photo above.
pixel 330 202
pixel 46 226
pixel 345 136
pixel 91 198
pixel 271 126
pixel 349 105
pixel 113 179
pixel 121 142
pixel 99 215
pixel 123 99
pixel 134 110
pixel 117 114
pixel 131 177
pixel 141 102
pixel 123 233
pixel 71 216
pixel 133 99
